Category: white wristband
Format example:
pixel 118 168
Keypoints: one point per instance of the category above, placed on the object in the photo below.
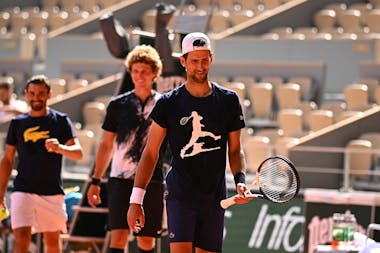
pixel 137 195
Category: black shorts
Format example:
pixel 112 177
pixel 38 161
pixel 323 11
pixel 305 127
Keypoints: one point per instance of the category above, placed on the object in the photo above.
pixel 197 221
pixel 119 192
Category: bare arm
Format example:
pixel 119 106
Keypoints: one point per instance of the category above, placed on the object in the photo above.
pixel 149 156
pixel 237 165
pixel 235 153
pixel 102 160
pixel 71 149
pixel 6 166
pixel 145 168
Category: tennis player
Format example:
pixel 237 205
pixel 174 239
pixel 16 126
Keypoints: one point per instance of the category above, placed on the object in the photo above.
pixel 202 122
pixel 125 128
pixel 36 143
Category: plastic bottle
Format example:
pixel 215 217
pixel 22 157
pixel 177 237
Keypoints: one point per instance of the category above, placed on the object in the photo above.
pixel 350 227
pixel 337 230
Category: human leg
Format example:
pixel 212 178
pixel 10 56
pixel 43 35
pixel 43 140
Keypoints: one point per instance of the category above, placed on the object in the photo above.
pixel 146 244
pixel 23 237
pixel 118 205
pixel 181 247
pixel 52 242
pixel 181 226
pixel 210 227
pixel 199 250
pixel 119 238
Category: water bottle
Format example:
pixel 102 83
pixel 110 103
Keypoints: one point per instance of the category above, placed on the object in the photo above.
pixel 338 230
pixel 350 227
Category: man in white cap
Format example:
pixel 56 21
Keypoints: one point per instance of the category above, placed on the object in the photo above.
pixel 201 120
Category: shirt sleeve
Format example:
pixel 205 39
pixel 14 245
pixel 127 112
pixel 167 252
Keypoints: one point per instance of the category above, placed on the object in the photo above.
pixel 158 114
pixel 236 120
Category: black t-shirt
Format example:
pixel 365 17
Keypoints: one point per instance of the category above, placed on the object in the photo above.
pixel 39 171
pixel 197 132
pixel 128 117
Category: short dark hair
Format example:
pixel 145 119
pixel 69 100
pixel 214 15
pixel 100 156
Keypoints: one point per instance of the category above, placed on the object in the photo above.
pixel 39 79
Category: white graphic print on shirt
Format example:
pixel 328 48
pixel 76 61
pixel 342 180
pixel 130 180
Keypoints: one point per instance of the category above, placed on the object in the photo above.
pixel 197 147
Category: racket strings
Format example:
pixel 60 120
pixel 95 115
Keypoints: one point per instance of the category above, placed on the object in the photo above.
pixel 277 180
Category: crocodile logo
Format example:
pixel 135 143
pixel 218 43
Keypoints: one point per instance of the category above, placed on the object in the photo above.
pixel 31 134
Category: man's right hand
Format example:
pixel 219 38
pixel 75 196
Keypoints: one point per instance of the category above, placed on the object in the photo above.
pixel 93 195
pixel 136 217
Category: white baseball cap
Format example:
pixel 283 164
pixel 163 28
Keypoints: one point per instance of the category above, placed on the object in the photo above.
pixel 195 41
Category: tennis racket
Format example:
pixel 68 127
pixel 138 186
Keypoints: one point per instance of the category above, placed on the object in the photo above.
pixel 184 120
pixel 276 180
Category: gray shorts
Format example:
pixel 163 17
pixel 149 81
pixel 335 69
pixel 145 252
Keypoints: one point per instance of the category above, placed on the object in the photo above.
pixel 119 192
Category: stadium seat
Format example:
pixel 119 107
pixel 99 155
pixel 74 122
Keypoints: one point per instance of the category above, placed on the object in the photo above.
pixel 373 21
pixel 282 31
pixel 350 21
pixel 93 112
pixel 270 4
pixel 57 20
pixel 283 144
pixel 319 119
pixel 336 107
pixel 105 99
pixel 272 133
pixel 19 22
pixel 247 80
pixel 364 9
pixel 239 88
pixel 372 83
pixel 58 86
pixel 257 148
pixel 89 76
pixel 348 114
pixel 69 5
pixel 261 97
pixel 202 4
pixel 90 5
pixel 4 18
pixel 237 17
pixel 49 4
pixel 338 7
pixel 77 83
pixel 325 20
pixel 306 86
pixel 250 4
pixel 375 3
pixel 288 95
pixel 358 154
pixel 219 21
pixel 276 81
pixel 374 138
pixel 86 139
pixel 219 79
pixel 226 4
pixel 306 107
pixel 107 3
pixel 356 97
pixel 309 32
pixel 291 122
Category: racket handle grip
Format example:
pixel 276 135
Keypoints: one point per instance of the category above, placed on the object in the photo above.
pixel 225 203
